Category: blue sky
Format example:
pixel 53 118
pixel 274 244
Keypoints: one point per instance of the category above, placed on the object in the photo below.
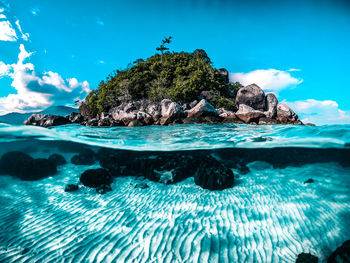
pixel 300 51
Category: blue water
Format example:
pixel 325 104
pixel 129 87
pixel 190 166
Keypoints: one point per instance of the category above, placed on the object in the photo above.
pixel 269 215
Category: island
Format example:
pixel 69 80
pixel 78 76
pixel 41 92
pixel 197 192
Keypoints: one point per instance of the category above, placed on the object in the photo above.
pixel 173 88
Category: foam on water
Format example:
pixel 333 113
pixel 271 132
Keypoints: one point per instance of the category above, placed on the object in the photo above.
pixel 188 137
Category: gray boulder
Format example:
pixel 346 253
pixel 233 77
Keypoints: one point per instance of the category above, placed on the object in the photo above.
pixel 75 117
pixel 170 111
pixel 203 108
pixel 271 105
pixel 248 114
pixel 285 114
pixel 251 95
pixel 45 120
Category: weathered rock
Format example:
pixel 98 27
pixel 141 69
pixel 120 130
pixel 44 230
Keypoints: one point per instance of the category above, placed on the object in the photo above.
pixel 170 111
pixel 57 159
pixel 202 109
pixel 206 95
pixel 85 157
pixel 251 95
pixel 144 118
pixel 45 120
pixel 71 188
pixel 224 73
pixel 105 119
pixel 285 114
pixel 193 104
pixel 225 113
pixel 248 114
pixel 135 123
pixel 306 258
pixel 25 167
pixel 341 254
pixel 95 178
pixel 154 110
pixel 92 122
pixel 267 121
pixel 75 117
pixel 271 105
pixel 213 175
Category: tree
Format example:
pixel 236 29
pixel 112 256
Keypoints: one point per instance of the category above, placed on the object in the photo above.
pixel 162 47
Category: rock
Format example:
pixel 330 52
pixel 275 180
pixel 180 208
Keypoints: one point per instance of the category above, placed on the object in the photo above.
pixel 141 186
pixel 306 258
pixel 170 111
pixel 95 178
pixel 252 96
pixel 135 123
pixel 225 113
pixel 206 95
pixel 341 254
pixel 154 110
pixel 92 122
pixel 309 124
pixel 75 117
pixel 57 159
pixel 248 114
pixel 45 120
pixel 309 181
pixel 144 118
pixel 224 73
pixel 25 167
pixel 285 114
pixel 213 175
pixel 105 119
pixel 85 157
pixel 71 188
pixel 267 121
pixel 271 105
pixel 202 109
pixel 102 189
pixel 186 107
pixel 193 104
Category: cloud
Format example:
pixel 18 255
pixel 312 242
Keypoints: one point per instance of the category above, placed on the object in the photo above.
pixel 37 91
pixel 35 11
pixel 320 112
pixel 10 29
pixel 272 80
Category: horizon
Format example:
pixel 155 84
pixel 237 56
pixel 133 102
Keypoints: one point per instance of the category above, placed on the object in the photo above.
pixel 53 53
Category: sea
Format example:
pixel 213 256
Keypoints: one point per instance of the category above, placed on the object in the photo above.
pixel 272 213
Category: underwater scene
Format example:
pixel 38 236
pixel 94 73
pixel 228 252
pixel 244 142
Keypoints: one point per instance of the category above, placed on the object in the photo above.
pixel 180 193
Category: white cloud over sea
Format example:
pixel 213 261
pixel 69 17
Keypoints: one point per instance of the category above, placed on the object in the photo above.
pixel 34 91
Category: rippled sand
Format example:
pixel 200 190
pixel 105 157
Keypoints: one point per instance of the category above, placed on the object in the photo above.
pixel 270 215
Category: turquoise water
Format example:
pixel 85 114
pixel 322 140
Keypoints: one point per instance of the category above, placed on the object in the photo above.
pixel 269 215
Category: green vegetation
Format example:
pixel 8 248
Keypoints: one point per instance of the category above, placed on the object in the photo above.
pixel 180 77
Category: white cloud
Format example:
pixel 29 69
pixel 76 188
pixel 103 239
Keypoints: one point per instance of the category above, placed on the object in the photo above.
pixel 9 30
pixel 272 80
pixel 38 91
pixel 320 112
pixel 35 11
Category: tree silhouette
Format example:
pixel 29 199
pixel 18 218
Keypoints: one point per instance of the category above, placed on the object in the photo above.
pixel 162 47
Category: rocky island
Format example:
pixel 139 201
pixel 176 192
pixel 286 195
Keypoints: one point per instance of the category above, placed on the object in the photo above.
pixel 173 88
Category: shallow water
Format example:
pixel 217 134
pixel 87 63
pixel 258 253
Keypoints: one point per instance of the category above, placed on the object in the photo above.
pixel 269 215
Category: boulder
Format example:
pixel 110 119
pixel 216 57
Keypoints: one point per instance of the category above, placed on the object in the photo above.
pixel 57 159
pixel 251 95
pixel 92 122
pixel 95 178
pixel 71 188
pixel 206 95
pixel 193 103
pixel 306 258
pixel 213 175
pixel 267 121
pixel 271 105
pixel 45 120
pixel 202 109
pixel 309 181
pixel 170 111
pixel 85 157
pixel 341 254
pixel 154 110
pixel 135 123
pixel 285 114
pixel 248 114
pixel 25 167
pixel 75 117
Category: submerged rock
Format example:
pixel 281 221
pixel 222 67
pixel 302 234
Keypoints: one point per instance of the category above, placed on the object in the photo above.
pixel 309 181
pixel 213 175
pixel 341 254
pixel 71 188
pixel 85 157
pixel 104 188
pixel 252 96
pixel 141 186
pixel 57 159
pixel 95 178
pixel 25 167
pixel 306 258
